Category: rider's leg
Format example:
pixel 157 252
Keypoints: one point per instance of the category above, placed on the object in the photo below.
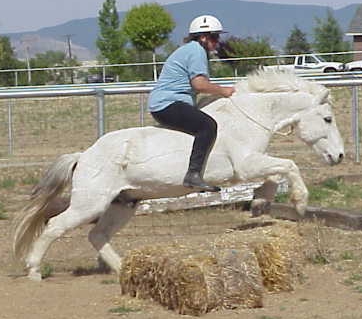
pixel 184 117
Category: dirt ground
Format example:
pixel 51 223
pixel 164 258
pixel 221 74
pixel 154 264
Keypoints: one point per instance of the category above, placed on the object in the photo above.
pixel 76 289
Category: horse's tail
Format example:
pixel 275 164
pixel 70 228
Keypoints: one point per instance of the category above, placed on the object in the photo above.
pixel 31 224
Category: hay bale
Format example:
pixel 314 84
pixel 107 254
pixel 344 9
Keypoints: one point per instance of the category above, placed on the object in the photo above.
pixel 175 278
pixel 239 266
pixel 242 278
pixel 275 266
pixel 278 249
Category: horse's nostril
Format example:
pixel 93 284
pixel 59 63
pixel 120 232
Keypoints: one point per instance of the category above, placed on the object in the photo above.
pixel 341 155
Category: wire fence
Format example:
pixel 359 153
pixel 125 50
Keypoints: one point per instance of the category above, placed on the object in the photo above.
pixel 41 128
pixel 33 131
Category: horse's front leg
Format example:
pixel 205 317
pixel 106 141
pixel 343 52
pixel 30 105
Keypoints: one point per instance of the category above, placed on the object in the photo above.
pixel 261 165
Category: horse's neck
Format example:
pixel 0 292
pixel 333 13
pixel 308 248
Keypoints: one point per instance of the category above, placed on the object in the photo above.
pixel 286 106
pixel 269 112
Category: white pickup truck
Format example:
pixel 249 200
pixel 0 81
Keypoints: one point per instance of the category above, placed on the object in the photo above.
pixel 353 66
pixel 308 63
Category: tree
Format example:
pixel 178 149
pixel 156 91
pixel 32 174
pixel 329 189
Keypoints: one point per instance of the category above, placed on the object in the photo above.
pixel 7 61
pixel 235 47
pixel 297 42
pixel 148 26
pixel 51 59
pixel 328 37
pixel 111 41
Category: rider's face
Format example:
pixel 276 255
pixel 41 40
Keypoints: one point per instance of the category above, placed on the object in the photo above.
pixel 211 41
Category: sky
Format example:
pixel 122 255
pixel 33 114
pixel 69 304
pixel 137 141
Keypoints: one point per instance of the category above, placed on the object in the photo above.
pixel 31 15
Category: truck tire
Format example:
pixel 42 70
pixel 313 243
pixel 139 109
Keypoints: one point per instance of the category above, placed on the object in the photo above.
pixel 329 70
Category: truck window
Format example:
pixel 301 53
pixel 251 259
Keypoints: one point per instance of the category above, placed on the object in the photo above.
pixel 310 59
pixel 300 60
pixel 320 59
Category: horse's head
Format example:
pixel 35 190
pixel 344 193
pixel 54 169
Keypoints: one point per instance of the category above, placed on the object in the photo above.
pixel 317 127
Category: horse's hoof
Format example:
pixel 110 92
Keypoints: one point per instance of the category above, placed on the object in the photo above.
pixel 301 208
pixel 34 276
pixel 260 206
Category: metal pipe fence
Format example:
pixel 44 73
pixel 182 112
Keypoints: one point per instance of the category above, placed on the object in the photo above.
pixel 78 74
pixel 40 123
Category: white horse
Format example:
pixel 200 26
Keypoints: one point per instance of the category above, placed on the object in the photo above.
pixel 127 166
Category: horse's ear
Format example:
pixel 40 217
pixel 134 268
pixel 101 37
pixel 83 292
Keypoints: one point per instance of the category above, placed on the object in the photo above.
pixel 323 96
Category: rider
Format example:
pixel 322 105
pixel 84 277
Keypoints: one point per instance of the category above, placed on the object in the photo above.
pixel 172 101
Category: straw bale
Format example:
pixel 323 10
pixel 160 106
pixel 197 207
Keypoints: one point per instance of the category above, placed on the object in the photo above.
pixel 235 272
pixel 278 249
pixel 242 278
pixel 275 266
pixel 174 277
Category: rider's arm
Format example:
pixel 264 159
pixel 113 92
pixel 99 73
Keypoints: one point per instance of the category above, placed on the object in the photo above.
pixel 202 84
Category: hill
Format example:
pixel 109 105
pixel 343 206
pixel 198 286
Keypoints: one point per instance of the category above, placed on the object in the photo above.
pixel 240 18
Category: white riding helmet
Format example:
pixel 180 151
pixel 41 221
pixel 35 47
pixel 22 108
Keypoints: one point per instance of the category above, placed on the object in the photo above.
pixel 205 24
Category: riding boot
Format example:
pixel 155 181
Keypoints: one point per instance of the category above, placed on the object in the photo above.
pixel 193 179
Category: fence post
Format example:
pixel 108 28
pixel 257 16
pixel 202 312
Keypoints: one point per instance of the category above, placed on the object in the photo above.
pixel 100 112
pixel 355 122
pixel 154 66
pixel 104 74
pixel 10 128
pixel 142 109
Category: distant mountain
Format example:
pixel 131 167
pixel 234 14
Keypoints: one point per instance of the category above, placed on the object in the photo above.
pixel 240 18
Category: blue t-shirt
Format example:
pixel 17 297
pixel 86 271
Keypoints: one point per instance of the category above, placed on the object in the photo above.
pixel 174 83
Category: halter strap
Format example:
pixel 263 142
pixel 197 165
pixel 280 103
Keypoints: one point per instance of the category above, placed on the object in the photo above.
pixel 241 110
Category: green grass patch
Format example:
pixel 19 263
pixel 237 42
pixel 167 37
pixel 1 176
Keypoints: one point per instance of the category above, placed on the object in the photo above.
pixel 281 198
pixel 318 194
pixel 109 282
pixel 7 183
pixel 358 289
pixel 331 183
pixel 30 180
pixel 3 215
pixel 347 255
pixel 356 277
pixel 122 310
pixel 319 259
pixel 46 271
pixel 332 192
pixel 335 193
pixel 352 279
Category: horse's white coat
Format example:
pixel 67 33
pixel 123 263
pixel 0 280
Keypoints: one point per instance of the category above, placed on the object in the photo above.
pixel 150 162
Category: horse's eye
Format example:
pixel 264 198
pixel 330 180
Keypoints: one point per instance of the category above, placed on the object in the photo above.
pixel 328 119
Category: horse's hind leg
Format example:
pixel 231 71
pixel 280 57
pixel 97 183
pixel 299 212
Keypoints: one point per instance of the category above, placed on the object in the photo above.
pixel 117 215
pixel 57 226
pixel 264 196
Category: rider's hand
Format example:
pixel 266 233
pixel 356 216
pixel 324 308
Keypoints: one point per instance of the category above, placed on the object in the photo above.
pixel 228 91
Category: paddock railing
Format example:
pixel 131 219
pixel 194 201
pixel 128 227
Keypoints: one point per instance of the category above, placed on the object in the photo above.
pixel 79 74
pixel 39 123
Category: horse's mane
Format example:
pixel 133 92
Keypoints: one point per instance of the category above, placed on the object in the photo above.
pixel 270 81
pixel 277 81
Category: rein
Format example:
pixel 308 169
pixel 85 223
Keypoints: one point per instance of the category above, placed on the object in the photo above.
pixel 241 110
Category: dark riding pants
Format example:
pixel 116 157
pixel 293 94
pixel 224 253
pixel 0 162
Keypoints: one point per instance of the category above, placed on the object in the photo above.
pixel 189 119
